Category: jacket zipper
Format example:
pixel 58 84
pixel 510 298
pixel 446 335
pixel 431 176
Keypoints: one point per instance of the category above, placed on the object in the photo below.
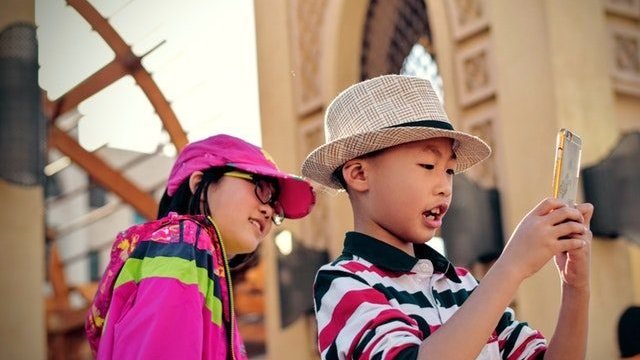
pixel 230 287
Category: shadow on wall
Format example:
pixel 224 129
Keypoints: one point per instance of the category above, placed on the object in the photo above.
pixel 612 187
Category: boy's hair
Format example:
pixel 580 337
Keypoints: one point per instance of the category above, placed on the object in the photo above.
pixel 337 176
pixel 628 336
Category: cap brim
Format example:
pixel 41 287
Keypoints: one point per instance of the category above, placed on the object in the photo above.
pixel 322 162
pixel 296 194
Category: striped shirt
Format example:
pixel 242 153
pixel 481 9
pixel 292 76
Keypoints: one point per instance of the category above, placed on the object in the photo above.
pixel 377 302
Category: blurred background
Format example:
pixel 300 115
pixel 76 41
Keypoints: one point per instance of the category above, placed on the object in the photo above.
pixel 98 96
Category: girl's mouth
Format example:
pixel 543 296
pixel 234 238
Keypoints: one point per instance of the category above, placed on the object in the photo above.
pixel 257 224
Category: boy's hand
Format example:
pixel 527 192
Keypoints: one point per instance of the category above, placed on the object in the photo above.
pixel 574 265
pixel 537 238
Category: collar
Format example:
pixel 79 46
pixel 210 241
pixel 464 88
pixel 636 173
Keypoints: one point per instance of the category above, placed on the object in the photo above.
pixel 389 257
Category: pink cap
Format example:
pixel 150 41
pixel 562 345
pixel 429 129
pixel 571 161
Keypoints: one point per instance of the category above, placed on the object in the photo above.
pixel 296 194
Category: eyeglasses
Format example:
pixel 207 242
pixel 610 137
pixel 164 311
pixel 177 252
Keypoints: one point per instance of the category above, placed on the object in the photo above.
pixel 266 192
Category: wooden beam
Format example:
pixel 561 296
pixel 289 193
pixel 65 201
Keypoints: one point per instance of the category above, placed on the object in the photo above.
pixel 102 78
pixel 129 60
pixel 104 174
pixel 60 299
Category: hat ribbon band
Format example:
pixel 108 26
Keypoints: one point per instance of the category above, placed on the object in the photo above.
pixel 426 123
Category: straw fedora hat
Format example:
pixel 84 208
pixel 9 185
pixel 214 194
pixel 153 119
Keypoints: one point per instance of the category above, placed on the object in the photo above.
pixel 382 112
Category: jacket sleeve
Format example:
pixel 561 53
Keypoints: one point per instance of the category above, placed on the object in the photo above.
pixel 158 305
pixel 517 340
pixel 356 321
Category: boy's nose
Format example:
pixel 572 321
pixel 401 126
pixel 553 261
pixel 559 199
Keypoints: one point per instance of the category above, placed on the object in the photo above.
pixel 444 186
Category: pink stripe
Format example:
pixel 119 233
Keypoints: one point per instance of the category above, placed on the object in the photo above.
pixel 461 271
pixel 382 317
pixel 538 351
pixel 356 267
pixel 536 335
pixel 343 311
pixel 493 338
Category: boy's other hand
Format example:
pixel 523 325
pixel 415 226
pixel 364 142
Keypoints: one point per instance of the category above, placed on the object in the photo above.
pixel 574 265
pixel 538 238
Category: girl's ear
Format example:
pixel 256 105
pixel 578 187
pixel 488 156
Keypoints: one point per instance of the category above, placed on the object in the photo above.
pixel 355 174
pixel 194 180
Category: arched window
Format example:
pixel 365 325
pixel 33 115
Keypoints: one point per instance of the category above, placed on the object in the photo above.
pixel 397 40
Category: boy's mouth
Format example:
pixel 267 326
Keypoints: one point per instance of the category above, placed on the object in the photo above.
pixel 436 213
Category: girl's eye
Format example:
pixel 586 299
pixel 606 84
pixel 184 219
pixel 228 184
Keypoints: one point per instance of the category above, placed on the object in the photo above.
pixel 427 166
pixel 451 172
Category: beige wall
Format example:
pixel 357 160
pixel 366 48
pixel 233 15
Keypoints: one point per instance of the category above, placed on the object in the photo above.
pixel 557 78
pixel 279 131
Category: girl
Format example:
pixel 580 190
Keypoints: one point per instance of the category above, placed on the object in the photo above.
pixel 166 293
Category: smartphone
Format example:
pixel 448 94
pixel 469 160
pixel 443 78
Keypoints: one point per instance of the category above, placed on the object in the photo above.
pixel 567 166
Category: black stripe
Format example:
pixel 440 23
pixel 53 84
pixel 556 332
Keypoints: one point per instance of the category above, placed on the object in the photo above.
pixel 404 297
pixel 426 123
pixel 332 353
pixel 186 251
pixel 504 322
pixel 511 342
pixel 422 325
pixel 410 353
pixel 324 278
pixel 363 343
pixel 449 298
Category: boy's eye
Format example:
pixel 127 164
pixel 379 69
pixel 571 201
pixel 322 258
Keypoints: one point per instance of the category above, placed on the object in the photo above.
pixel 427 166
pixel 451 172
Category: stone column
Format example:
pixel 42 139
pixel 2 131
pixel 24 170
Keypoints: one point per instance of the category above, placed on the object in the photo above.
pixel 22 328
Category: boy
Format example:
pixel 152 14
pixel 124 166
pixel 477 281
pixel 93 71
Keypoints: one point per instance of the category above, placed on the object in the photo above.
pixel 391 146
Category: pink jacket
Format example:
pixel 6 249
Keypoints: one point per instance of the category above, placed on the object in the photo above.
pixel 165 295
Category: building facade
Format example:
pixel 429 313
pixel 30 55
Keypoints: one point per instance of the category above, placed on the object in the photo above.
pixel 513 73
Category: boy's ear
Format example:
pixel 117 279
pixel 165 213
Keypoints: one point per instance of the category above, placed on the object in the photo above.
pixel 355 174
pixel 194 180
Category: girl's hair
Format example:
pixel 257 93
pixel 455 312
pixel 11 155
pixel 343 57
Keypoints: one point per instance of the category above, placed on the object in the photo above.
pixel 184 202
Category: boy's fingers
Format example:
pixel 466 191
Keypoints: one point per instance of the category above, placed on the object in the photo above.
pixel 569 244
pixel 547 205
pixel 568 228
pixel 565 214
pixel 586 209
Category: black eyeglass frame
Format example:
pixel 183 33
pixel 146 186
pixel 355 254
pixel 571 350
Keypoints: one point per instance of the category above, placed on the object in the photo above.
pixel 274 192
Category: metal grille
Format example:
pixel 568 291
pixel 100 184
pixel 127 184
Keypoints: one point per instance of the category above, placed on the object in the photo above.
pixel 420 63
pixel 392 29
pixel 22 125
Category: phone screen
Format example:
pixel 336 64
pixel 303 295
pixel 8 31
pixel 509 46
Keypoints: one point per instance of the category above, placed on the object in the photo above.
pixel 567 166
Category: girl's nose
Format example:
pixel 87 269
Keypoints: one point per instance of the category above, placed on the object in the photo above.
pixel 266 210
